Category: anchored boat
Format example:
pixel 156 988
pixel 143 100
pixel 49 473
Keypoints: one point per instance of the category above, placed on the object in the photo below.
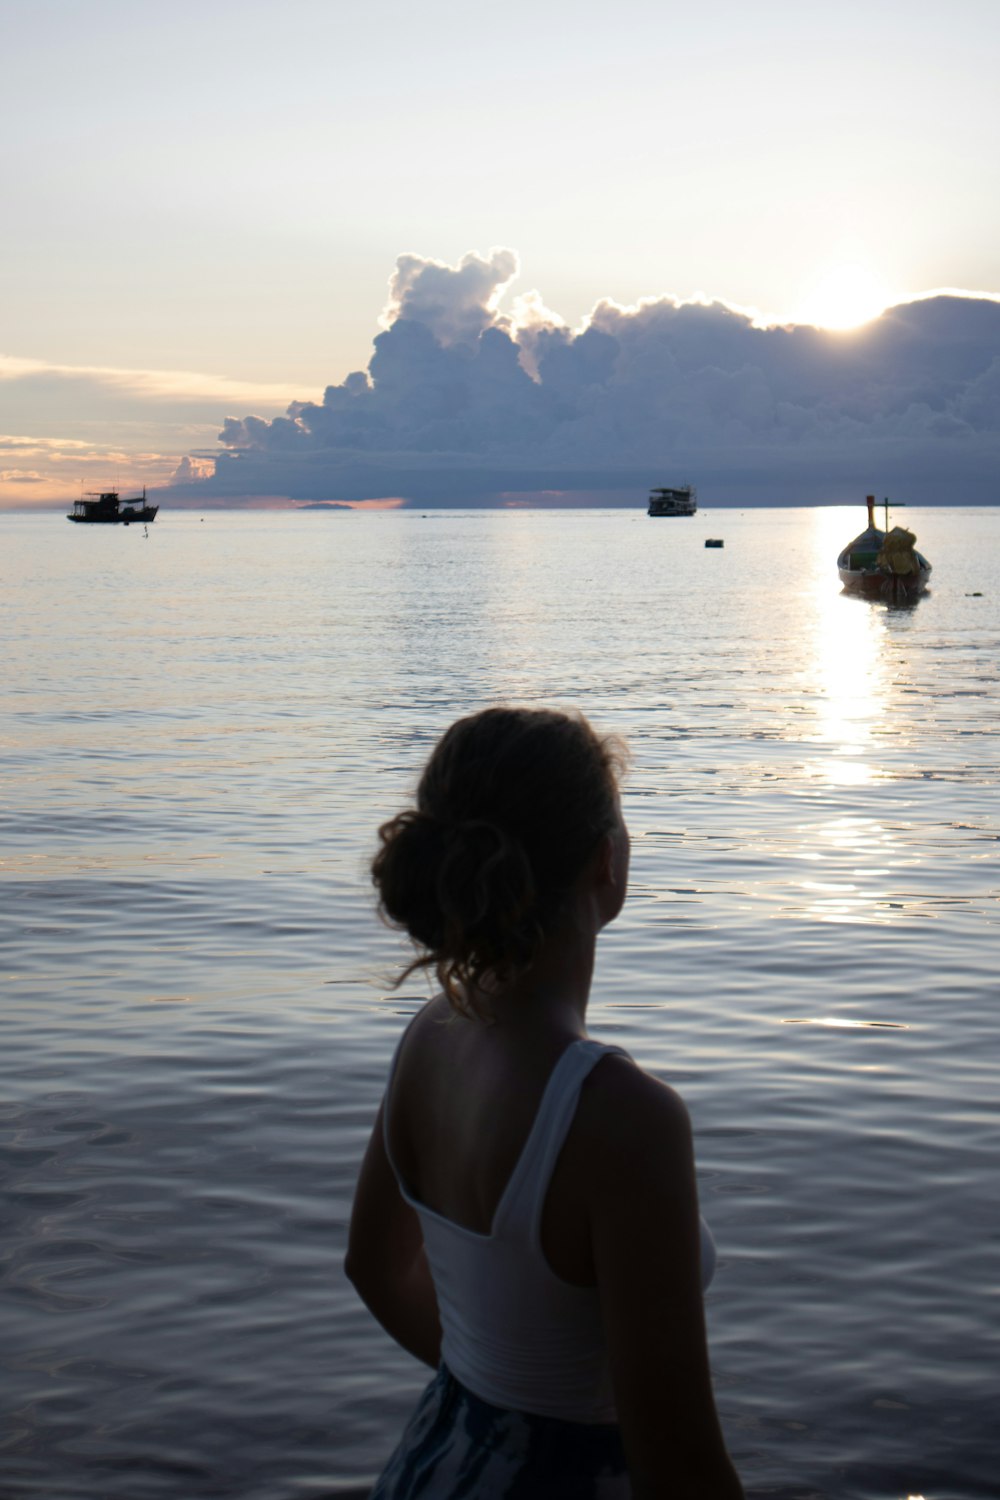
pixel 105 509
pixel 682 501
pixel 883 564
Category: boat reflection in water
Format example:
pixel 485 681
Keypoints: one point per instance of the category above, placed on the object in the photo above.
pixel 883 564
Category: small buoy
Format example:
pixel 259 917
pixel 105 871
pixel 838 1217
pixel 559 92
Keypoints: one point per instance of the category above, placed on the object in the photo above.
pixel 714 541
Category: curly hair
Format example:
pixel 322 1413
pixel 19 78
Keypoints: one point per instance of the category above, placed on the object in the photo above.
pixel 508 809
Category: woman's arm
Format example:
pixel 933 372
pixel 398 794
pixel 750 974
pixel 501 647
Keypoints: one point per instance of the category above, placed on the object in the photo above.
pixel 386 1260
pixel 646 1241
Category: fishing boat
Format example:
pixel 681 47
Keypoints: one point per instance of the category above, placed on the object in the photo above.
pixel 104 508
pixel 883 564
pixel 682 501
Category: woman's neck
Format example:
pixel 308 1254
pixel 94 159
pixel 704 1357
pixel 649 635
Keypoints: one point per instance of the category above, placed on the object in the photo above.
pixel 550 997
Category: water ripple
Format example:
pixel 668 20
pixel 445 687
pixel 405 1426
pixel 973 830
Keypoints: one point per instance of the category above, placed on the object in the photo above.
pixel 198 1006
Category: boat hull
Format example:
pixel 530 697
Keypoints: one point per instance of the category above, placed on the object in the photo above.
pixel 140 517
pixel 880 583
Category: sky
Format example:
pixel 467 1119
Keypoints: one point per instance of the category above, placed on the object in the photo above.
pixel 543 251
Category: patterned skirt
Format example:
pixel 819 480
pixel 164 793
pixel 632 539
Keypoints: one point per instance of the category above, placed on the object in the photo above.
pixel 459 1447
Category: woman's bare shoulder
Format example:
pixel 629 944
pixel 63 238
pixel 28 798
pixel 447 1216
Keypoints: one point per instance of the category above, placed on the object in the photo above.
pixel 430 1053
pixel 435 1011
pixel 425 1025
pixel 629 1120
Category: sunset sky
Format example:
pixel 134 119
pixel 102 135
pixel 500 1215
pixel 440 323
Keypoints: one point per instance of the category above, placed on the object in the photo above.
pixel 203 205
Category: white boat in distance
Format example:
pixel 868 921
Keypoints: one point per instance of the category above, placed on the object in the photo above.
pixel 682 501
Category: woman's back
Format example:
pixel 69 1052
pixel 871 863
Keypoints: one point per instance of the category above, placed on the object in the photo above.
pixel 462 1101
pixel 514 1331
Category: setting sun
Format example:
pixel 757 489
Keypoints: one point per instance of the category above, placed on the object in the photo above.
pixel 844 295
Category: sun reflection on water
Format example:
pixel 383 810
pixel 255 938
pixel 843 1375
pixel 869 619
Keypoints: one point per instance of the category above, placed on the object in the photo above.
pixel 850 669
pixel 850 684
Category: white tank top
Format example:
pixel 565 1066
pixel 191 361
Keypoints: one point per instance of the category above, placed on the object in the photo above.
pixel 513 1332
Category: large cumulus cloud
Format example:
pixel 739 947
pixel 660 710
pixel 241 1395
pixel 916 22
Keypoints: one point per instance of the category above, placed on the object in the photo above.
pixel 463 403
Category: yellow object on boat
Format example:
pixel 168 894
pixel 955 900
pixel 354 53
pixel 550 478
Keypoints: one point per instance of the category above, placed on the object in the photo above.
pixel 897 551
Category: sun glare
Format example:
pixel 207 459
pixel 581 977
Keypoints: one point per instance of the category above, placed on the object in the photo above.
pixel 844 295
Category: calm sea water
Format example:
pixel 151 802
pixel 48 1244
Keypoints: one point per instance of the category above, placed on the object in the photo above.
pixel 203 728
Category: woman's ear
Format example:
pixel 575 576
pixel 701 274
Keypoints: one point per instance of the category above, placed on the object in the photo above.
pixel 613 858
pixel 606 873
pixel 606 861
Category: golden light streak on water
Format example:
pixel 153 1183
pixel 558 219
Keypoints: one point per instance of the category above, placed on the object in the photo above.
pixel 847 644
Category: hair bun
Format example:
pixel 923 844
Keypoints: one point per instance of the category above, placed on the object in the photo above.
pixel 405 872
pixel 486 891
pixel 466 881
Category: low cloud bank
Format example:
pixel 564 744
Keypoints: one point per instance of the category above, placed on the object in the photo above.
pixel 465 404
pixel 71 428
